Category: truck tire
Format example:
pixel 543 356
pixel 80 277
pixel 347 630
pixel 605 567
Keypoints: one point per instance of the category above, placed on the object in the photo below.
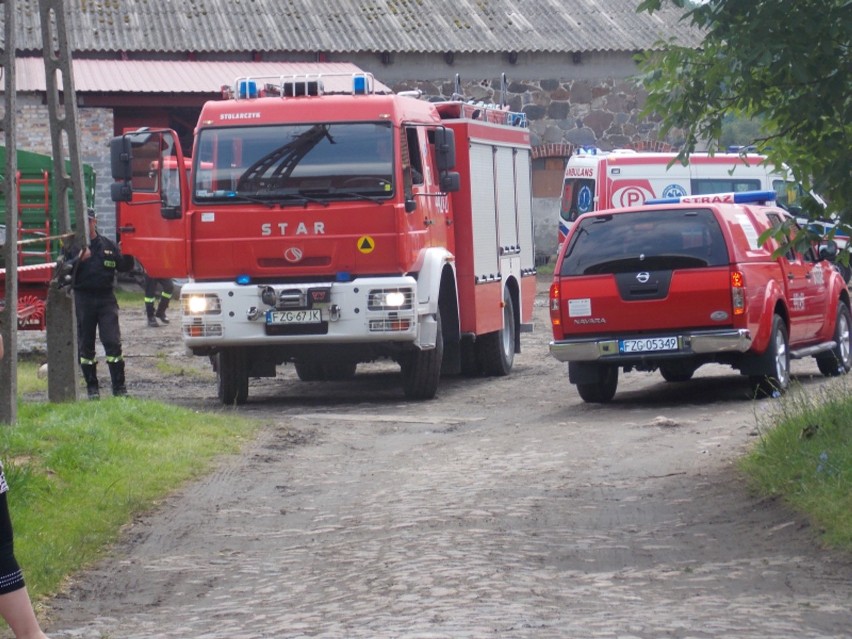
pixel 603 390
pixel 497 349
pixel 838 360
pixel 776 379
pixel 232 371
pixel 421 370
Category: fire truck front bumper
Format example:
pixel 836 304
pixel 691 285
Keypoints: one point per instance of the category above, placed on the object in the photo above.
pixel 362 310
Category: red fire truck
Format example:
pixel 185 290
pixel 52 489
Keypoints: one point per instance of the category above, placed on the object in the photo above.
pixel 328 222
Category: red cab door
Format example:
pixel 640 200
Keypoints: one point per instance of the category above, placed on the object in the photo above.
pixel 152 226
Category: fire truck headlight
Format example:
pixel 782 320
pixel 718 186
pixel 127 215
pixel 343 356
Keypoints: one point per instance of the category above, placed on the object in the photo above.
pixel 204 304
pixel 395 298
pixel 390 299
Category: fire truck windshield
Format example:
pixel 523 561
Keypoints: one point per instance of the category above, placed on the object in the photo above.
pixel 289 163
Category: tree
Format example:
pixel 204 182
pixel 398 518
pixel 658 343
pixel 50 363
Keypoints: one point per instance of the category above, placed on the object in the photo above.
pixel 738 131
pixel 786 63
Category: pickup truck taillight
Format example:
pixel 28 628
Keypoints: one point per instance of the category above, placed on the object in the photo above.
pixel 737 292
pixel 555 316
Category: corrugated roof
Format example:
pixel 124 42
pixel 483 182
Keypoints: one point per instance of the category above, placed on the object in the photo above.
pixel 351 26
pixel 180 76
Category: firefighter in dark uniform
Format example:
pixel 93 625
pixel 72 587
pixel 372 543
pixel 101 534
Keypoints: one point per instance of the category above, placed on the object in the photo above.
pixel 167 289
pixel 93 283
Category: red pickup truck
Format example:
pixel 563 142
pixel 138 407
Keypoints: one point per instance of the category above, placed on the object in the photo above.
pixel 672 286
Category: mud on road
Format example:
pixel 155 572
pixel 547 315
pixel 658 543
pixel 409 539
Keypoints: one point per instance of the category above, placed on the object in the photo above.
pixel 505 508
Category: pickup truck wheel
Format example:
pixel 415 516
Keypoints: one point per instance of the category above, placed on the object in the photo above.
pixel 677 371
pixel 232 371
pixel 602 391
pixel 497 349
pixel 777 357
pixel 421 370
pixel 838 360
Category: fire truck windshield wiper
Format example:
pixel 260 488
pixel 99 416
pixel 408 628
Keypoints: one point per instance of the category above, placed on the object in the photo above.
pixel 271 199
pixel 248 198
pixel 297 197
pixel 355 194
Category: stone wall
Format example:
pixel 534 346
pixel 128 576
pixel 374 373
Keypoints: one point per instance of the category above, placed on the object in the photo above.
pixel 604 113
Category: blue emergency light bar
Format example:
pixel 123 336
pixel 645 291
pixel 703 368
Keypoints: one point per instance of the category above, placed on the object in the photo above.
pixel 247 89
pixel 359 84
pixel 743 197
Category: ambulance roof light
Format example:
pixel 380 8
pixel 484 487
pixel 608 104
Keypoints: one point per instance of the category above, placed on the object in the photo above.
pixel 734 148
pixel 588 150
pixel 741 197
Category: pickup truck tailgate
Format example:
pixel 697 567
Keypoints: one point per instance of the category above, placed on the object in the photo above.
pixel 645 301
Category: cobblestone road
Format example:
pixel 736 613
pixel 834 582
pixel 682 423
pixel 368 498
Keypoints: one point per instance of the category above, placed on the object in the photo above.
pixel 506 508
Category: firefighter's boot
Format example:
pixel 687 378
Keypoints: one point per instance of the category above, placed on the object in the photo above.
pixel 149 311
pixel 116 373
pixel 90 375
pixel 161 310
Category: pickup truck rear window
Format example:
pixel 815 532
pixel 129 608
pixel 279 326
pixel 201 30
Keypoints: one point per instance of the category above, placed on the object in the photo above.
pixel 645 241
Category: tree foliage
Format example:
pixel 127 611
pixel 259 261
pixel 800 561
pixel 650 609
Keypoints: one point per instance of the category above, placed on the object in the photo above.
pixel 784 62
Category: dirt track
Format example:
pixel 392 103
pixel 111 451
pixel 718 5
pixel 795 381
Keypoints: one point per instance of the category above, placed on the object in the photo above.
pixel 505 508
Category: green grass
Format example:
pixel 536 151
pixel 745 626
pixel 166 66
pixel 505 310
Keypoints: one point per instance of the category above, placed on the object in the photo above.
pixel 804 455
pixel 80 471
pixel 28 381
pixel 167 367
pixel 546 270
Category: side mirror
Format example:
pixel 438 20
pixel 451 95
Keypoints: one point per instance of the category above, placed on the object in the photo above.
pixel 120 192
pixel 828 251
pixel 170 212
pixel 450 182
pixel 121 154
pixel 445 149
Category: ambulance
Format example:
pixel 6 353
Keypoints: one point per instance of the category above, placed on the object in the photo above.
pixel 596 179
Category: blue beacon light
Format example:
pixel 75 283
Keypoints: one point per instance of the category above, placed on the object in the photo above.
pixel 742 197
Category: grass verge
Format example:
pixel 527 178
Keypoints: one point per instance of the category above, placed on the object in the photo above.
pixel 805 456
pixel 80 471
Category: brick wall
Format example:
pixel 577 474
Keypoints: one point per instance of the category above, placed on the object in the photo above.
pixel 94 130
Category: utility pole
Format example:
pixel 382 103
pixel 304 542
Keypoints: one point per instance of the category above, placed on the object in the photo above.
pixel 9 316
pixel 61 322
pixel 60 318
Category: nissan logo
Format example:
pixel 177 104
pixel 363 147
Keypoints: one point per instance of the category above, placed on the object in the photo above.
pixel 643 277
pixel 293 254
